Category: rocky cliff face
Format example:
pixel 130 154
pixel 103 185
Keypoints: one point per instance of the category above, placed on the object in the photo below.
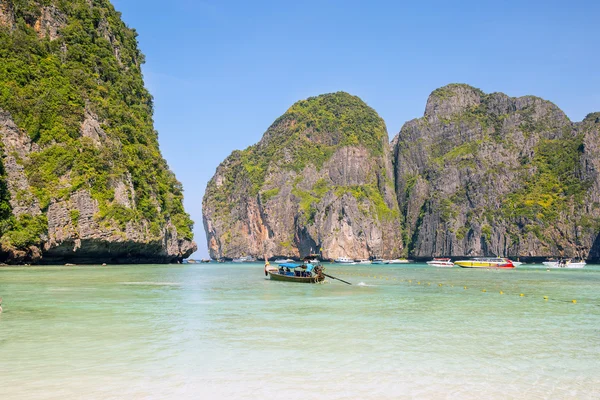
pixel 479 174
pixel 82 178
pixel 487 174
pixel 320 178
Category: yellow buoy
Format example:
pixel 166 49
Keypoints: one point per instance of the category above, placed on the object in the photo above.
pixel 465 287
pixel 522 295
pixel 418 283
pixel 501 292
pixel 574 301
pixel 545 297
pixel 483 290
pixel 439 284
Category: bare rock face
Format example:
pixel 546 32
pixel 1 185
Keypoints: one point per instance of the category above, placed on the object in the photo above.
pixel 17 147
pixel 50 22
pixel 320 181
pixel 91 128
pixel 487 174
pixel 7 17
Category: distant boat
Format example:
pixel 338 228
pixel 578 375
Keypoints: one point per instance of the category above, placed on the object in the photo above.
pixel 485 262
pixel 441 262
pixel 291 272
pixel 283 260
pixel 377 261
pixel 564 264
pixel 362 261
pixel 344 260
pixel 244 259
pixel 396 261
pixel 516 263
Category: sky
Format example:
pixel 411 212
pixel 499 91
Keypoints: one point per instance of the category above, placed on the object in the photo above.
pixel 221 71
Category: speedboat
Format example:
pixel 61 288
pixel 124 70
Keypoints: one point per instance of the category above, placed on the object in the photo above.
pixel 485 262
pixel 397 261
pixel 362 261
pixel 344 260
pixel 516 263
pixel 564 264
pixel 377 261
pixel 244 259
pixel 283 261
pixel 441 262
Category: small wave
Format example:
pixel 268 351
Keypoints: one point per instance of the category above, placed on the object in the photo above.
pixel 151 283
pixel 364 284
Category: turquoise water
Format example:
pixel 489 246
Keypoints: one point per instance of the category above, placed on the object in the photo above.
pixel 221 331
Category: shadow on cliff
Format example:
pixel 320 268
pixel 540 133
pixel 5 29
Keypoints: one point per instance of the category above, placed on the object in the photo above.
pixel 594 253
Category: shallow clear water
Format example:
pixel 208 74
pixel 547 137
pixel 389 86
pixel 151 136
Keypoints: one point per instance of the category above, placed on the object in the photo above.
pixel 221 331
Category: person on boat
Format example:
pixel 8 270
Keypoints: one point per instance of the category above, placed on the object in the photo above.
pixel 280 270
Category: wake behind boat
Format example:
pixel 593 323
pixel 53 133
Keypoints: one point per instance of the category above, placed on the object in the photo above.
pixel 485 262
pixel 397 261
pixel 564 264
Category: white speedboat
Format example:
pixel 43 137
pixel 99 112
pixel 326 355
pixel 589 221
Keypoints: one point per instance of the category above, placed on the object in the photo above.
pixel 344 260
pixel 362 261
pixel 564 264
pixel 441 262
pixel 283 261
pixel 244 259
pixel 377 261
pixel 516 263
pixel 397 261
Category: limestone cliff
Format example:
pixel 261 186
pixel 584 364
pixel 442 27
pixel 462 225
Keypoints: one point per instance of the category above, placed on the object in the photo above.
pixel 82 178
pixel 488 174
pixel 320 178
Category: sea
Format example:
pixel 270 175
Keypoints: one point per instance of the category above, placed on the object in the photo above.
pixel 224 331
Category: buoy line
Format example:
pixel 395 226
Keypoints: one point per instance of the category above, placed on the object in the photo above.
pixel 440 285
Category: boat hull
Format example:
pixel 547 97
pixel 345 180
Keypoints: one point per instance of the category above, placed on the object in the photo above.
pixel 482 264
pixel 298 279
pixel 441 264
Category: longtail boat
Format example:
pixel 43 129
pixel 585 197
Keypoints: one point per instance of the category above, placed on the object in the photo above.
pixel 291 272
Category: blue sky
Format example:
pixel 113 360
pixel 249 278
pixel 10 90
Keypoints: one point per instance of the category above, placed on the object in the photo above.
pixel 222 71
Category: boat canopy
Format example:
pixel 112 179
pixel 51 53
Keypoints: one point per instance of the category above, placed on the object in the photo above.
pixel 289 265
pixel 309 267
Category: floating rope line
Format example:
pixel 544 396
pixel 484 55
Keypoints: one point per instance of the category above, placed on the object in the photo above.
pixel 441 284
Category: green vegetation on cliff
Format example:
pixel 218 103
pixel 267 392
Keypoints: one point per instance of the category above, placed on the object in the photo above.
pixel 554 187
pixel 312 130
pixel 51 86
pixel 307 134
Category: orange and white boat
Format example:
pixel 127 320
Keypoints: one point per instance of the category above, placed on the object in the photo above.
pixel 485 262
